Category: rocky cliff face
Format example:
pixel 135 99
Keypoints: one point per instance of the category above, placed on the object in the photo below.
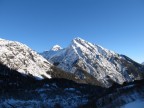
pixel 82 57
pixel 20 57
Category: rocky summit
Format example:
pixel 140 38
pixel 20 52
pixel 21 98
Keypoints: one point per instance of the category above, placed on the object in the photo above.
pixel 82 58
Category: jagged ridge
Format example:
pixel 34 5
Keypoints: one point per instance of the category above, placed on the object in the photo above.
pixel 105 65
pixel 20 57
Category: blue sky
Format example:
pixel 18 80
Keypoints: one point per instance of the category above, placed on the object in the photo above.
pixel 114 24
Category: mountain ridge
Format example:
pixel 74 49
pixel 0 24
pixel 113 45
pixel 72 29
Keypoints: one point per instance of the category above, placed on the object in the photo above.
pixel 23 84
pixel 81 61
pixel 20 57
pixel 105 65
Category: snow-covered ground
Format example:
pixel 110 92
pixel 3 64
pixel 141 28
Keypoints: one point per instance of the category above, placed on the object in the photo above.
pixel 135 104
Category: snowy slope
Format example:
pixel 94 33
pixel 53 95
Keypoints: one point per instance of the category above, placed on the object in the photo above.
pixel 135 104
pixel 82 56
pixel 54 50
pixel 20 57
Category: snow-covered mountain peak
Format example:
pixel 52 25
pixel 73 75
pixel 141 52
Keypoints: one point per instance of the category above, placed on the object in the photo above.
pixel 78 39
pixel 80 43
pixel 20 57
pixel 88 47
pixel 56 48
pixel 82 56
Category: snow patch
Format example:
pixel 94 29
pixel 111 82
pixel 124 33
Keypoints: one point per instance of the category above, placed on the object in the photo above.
pixel 56 48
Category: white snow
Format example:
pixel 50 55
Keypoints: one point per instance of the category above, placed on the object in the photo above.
pixel 20 57
pixel 65 101
pixel 56 48
pixel 94 59
pixel 135 104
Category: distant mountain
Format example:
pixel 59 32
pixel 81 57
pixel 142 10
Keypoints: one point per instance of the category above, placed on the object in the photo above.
pixel 82 58
pixel 56 48
pixel 142 63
